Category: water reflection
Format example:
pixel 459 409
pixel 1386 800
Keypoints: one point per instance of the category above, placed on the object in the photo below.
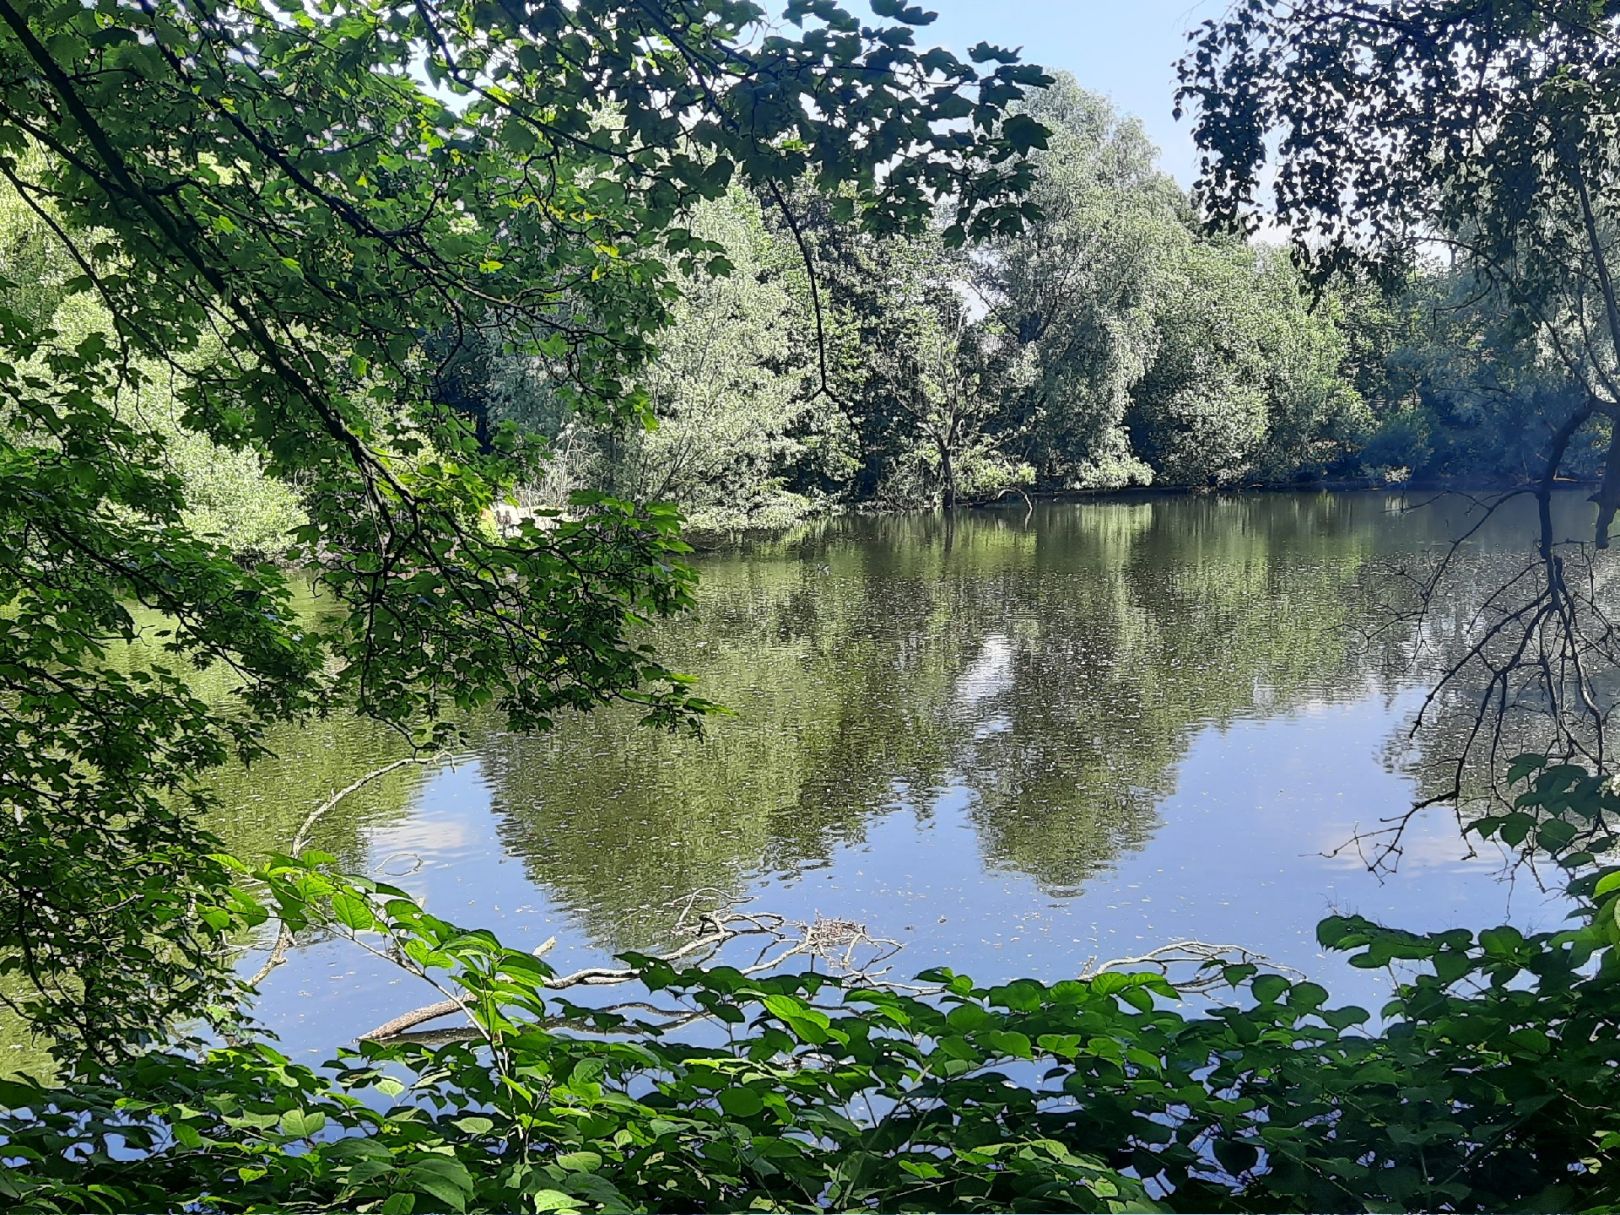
pixel 1046 672
pixel 1014 742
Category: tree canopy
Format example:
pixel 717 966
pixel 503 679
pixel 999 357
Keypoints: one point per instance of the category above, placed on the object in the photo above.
pixel 277 207
pixel 1374 132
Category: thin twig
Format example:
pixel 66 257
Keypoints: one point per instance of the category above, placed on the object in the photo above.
pixel 300 841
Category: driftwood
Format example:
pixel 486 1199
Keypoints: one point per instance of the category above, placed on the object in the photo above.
pixel 1202 957
pixel 845 946
pixel 668 1019
pixel 431 1012
pixel 410 1020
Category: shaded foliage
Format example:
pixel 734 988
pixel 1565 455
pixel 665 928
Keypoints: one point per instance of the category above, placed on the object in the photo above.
pixel 280 211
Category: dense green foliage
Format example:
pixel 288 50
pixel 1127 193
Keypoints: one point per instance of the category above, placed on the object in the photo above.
pixel 1467 391
pixel 261 226
pixel 228 495
pixel 1371 134
pixel 1110 342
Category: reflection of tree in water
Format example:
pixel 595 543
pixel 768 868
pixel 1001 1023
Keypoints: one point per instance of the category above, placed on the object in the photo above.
pixel 1055 669
pixel 1125 646
pixel 258 809
pixel 1451 615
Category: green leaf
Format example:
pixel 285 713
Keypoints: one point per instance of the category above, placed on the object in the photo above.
pixel 741 1102
pixel 784 1007
pixel 555 1200
pixel 443 1178
pixel 1267 988
pixel 353 912
pixel 1554 834
pixel 1523 765
pixel 1306 996
pixel 1024 133
pixel 301 1124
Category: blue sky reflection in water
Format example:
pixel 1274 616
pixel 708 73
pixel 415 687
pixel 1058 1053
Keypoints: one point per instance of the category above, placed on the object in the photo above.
pixel 1015 748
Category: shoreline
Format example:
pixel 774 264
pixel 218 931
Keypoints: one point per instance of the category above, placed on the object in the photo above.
pixel 706 540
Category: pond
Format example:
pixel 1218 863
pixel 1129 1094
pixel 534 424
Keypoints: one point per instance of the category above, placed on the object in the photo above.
pixel 1014 741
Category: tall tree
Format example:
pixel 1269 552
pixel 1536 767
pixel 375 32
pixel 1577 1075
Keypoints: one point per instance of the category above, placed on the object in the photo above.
pixel 925 374
pixel 727 388
pixel 1077 291
pixel 1462 387
pixel 1244 383
pixel 1484 130
pixel 1374 131
pixel 316 188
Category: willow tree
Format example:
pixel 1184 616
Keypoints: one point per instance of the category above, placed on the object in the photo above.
pixel 313 189
pixel 1077 292
pixel 1379 132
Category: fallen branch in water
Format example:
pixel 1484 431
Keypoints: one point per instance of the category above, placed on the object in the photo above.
pixel 432 1012
pixel 669 1019
pixel 784 939
pixel 838 942
pixel 1200 954
pixel 818 936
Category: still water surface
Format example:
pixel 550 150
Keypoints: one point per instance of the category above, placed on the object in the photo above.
pixel 1014 743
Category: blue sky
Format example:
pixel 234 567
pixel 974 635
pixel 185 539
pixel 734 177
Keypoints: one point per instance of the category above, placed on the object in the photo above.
pixel 1124 48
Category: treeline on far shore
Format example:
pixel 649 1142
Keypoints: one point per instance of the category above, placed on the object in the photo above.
pixel 1112 344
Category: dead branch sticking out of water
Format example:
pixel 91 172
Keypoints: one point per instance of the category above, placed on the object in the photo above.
pixel 846 947
pixel 1206 961
pixel 301 840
